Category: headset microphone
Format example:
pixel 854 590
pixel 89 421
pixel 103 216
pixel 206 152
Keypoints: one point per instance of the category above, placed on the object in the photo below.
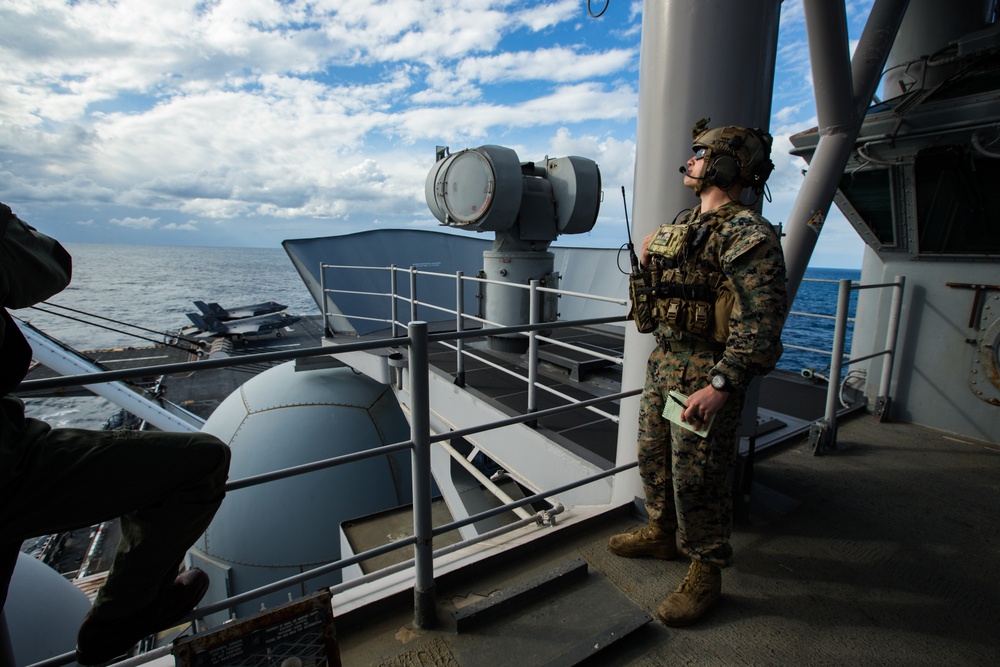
pixel 684 170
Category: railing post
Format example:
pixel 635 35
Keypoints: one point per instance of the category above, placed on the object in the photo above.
pixel 882 403
pixel 533 318
pixel 459 327
pixel 424 605
pixel 413 294
pixel 394 292
pixel 322 290
pixel 823 434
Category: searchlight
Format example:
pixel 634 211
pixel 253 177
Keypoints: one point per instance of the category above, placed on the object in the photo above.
pixel 527 205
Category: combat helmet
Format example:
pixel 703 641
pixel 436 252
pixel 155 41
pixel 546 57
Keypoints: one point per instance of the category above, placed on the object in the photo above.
pixel 734 154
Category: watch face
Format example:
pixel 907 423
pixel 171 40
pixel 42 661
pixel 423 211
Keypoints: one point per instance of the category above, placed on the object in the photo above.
pixel 720 382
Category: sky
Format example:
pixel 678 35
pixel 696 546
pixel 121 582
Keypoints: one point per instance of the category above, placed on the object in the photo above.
pixel 245 122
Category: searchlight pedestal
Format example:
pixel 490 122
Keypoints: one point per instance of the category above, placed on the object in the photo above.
pixel 527 205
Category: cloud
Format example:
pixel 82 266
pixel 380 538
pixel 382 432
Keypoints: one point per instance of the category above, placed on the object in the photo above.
pixel 189 226
pixel 558 64
pixel 548 15
pixel 135 223
pixel 258 118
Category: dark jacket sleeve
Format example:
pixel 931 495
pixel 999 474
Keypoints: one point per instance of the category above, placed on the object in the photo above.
pixel 33 266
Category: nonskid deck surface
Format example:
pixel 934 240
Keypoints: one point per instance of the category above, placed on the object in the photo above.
pixel 884 551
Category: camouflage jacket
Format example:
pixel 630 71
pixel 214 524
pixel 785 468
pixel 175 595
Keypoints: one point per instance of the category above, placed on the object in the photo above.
pixel 743 246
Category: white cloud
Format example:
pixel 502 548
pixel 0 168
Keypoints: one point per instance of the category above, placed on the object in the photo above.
pixel 189 226
pixel 135 223
pixel 553 64
pixel 266 117
pixel 548 15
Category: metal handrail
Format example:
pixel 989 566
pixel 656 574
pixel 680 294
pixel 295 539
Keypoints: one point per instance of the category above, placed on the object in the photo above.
pixel 824 434
pixel 819 316
pixel 417 341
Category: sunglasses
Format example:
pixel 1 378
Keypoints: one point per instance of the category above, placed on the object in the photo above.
pixel 700 153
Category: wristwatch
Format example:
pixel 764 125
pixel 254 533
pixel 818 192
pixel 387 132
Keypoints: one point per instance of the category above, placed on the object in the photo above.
pixel 721 383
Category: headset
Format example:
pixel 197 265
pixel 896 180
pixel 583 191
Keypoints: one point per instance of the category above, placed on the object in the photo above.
pixel 737 154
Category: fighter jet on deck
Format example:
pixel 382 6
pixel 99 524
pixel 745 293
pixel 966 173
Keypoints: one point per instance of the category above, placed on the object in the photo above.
pixel 223 314
pixel 244 326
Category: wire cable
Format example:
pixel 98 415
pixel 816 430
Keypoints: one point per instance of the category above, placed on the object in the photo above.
pixel 599 14
pixel 124 324
pixel 125 333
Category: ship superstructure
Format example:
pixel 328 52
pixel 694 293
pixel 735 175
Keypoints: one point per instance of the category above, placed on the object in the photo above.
pixel 517 476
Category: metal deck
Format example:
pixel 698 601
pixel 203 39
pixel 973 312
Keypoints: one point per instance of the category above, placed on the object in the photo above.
pixel 882 552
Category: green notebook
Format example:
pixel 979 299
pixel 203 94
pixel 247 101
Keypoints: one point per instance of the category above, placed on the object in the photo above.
pixel 675 404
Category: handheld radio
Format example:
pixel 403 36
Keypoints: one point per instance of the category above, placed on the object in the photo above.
pixel 639 288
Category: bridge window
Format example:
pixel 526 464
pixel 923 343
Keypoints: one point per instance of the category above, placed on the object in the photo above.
pixel 958 202
pixel 868 193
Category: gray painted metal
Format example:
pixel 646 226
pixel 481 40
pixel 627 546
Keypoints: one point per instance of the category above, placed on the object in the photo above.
pixel 423 559
pixel 842 95
pixel 595 271
pixel 698 59
pixel 934 371
pixel 442 252
pixel 43 611
pixel 66 362
pixel 508 304
pixel 927 26
pixel 282 418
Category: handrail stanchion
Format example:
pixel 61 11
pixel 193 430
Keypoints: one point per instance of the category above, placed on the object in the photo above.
pixel 413 294
pixel 322 290
pixel 459 327
pixel 393 294
pixel 823 434
pixel 883 401
pixel 424 605
pixel 533 318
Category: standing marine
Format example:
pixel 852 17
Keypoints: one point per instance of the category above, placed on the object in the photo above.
pixel 712 292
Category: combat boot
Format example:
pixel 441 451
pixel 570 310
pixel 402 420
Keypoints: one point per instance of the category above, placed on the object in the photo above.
pixel 650 540
pixel 697 594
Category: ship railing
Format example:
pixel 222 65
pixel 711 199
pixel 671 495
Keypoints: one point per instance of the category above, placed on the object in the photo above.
pixel 417 343
pixel 535 294
pixel 823 433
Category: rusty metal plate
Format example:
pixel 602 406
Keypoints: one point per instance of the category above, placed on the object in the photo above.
pixel 298 634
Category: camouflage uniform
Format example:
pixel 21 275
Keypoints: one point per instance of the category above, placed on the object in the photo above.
pixel 742 246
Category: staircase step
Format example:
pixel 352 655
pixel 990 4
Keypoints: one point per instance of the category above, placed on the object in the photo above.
pixel 519 595
pixel 558 618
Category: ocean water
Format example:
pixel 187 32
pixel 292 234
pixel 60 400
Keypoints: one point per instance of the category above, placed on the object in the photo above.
pixel 154 286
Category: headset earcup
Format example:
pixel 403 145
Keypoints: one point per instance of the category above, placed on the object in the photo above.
pixel 723 171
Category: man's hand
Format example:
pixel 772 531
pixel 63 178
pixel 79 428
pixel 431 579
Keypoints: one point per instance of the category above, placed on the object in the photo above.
pixel 702 404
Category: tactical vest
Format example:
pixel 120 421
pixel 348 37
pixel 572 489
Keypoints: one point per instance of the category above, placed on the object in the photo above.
pixel 674 291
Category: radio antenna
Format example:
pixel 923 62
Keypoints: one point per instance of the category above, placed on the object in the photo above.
pixel 628 232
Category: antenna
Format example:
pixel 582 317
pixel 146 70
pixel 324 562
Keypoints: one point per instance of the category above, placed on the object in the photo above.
pixel 628 232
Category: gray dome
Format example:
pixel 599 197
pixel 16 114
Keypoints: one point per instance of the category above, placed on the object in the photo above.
pixel 283 418
pixel 43 611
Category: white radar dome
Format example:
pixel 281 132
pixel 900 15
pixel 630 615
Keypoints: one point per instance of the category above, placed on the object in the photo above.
pixel 284 418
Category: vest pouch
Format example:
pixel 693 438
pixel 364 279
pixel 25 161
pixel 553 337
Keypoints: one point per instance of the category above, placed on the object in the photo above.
pixel 670 241
pixel 642 301
pixel 674 313
pixel 698 316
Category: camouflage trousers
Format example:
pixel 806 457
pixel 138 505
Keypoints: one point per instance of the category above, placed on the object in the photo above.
pixel 685 477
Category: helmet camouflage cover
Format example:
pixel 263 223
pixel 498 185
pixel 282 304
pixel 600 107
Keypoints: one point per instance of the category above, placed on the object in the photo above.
pixel 751 148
